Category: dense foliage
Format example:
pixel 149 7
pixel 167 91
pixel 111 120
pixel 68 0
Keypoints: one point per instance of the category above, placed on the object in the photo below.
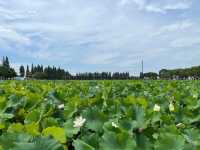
pixel 6 71
pixel 149 75
pixel 193 73
pixel 56 73
pixel 50 73
pixel 104 115
pixel 53 73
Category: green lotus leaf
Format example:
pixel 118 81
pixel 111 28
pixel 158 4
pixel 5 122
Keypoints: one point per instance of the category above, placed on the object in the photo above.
pixel 32 129
pixel 16 128
pixel 56 132
pixel 168 141
pixel 91 139
pixel 33 116
pixel 2 126
pixel 39 143
pixel 69 129
pixel 192 136
pixel 49 122
pixel 94 118
pixel 8 140
pixel 123 140
pixel 80 145
pixel 143 142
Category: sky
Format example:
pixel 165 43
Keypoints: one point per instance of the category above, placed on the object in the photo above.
pixel 101 35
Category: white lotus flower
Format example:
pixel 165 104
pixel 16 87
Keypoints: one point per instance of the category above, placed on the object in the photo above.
pixel 61 106
pixel 114 125
pixel 79 122
pixel 180 125
pixel 171 107
pixel 156 108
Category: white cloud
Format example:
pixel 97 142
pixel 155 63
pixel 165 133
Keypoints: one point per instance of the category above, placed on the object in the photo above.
pixel 163 8
pixel 185 42
pixel 177 26
pixel 102 58
pixel 95 33
pixel 140 3
pixel 53 56
pixel 11 35
pixel 153 8
pixel 159 6
pixel 179 5
pixel 11 15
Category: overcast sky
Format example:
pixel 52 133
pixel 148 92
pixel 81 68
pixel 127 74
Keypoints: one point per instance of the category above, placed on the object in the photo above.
pixel 101 35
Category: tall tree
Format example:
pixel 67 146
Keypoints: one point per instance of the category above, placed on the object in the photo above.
pixel 32 69
pixel 27 72
pixel 3 62
pixel 6 62
pixel 22 71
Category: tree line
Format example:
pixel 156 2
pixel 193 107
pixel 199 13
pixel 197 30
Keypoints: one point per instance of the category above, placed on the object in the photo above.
pixel 182 74
pixel 149 75
pixel 56 73
pixel 191 73
pixel 6 72
pixel 102 76
pixel 41 72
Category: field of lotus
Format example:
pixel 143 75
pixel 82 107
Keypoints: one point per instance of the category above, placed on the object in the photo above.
pixel 100 115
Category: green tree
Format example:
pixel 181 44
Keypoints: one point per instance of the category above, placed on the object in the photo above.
pixel 28 74
pixel 6 62
pixel 150 75
pixel 22 71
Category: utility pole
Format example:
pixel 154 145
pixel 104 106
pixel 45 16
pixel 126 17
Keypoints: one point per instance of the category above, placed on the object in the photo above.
pixel 142 73
pixel 142 67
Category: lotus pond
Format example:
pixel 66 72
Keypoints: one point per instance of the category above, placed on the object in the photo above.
pixel 100 115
